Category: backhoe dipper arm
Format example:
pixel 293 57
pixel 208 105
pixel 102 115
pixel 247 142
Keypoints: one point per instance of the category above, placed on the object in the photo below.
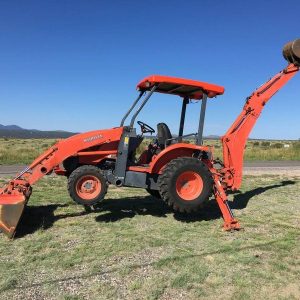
pixel 236 137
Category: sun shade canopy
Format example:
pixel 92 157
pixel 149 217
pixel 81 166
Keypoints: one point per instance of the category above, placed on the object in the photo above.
pixel 191 89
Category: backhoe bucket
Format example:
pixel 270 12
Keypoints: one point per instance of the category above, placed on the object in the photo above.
pixel 11 209
pixel 291 52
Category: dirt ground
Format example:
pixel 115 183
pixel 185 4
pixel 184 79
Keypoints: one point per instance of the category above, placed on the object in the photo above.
pixel 291 168
pixel 286 168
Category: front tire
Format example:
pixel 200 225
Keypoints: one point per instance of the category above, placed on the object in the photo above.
pixel 185 184
pixel 87 185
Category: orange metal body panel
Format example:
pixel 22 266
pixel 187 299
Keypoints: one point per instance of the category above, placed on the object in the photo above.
pixel 70 147
pixel 212 90
pixel 142 169
pixel 159 161
pixel 107 150
pixel 95 157
pixel 74 145
pixel 172 152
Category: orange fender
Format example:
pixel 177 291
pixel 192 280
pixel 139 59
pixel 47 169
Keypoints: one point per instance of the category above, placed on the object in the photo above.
pixel 172 152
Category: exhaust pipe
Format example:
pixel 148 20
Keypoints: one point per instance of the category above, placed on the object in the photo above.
pixel 291 52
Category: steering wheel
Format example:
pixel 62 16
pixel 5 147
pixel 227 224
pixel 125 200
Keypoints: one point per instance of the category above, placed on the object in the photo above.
pixel 145 128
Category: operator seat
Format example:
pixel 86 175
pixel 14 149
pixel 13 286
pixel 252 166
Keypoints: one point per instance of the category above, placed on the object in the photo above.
pixel 163 135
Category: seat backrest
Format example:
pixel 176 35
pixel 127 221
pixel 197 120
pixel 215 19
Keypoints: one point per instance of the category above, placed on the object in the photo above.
pixel 163 134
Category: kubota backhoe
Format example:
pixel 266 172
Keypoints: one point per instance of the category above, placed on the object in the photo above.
pixel 183 175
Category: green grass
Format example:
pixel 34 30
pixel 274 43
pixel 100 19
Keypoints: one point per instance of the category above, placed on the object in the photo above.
pixel 134 247
pixel 264 150
pixel 255 150
pixel 24 151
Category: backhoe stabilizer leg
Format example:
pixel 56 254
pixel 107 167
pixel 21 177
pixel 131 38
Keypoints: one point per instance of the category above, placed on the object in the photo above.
pixel 230 222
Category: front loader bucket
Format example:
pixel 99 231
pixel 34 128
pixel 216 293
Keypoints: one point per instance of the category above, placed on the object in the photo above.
pixel 291 52
pixel 11 209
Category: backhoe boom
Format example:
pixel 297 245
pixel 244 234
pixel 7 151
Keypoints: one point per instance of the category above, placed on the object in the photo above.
pixel 235 139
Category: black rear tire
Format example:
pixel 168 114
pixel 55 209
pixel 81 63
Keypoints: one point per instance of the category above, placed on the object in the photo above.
pixel 185 195
pixel 87 185
pixel 154 193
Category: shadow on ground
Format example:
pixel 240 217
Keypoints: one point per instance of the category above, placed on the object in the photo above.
pixel 240 200
pixel 41 217
pixel 112 210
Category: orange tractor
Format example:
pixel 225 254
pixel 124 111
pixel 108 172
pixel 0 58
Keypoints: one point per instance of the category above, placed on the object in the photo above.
pixel 183 175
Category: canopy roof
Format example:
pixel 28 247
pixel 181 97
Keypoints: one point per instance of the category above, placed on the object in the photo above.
pixel 179 86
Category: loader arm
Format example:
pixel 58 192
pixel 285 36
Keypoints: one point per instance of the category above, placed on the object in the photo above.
pixel 15 194
pixel 235 139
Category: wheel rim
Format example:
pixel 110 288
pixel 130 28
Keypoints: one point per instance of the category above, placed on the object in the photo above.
pixel 189 185
pixel 88 187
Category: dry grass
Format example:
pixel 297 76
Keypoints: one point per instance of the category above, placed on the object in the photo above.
pixel 265 150
pixel 134 247
pixel 24 151
pixel 255 150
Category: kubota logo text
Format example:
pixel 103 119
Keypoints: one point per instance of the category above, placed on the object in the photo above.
pixel 92 138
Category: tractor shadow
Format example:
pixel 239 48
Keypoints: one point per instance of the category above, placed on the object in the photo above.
pixel 240 200
pixel 117 209
pixel 113 210
pixel 37 217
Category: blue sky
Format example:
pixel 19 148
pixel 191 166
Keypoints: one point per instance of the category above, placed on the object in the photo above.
pixel 74 65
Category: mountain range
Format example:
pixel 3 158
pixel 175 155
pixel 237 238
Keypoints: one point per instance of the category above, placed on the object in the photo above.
pixel 15 131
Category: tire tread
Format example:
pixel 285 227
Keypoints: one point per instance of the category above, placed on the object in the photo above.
pixel 85 169
pixel 165 177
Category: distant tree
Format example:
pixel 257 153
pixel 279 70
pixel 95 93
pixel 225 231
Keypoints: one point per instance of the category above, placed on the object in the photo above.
pixel 296 145
pixel 265 144
pixel 277 145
